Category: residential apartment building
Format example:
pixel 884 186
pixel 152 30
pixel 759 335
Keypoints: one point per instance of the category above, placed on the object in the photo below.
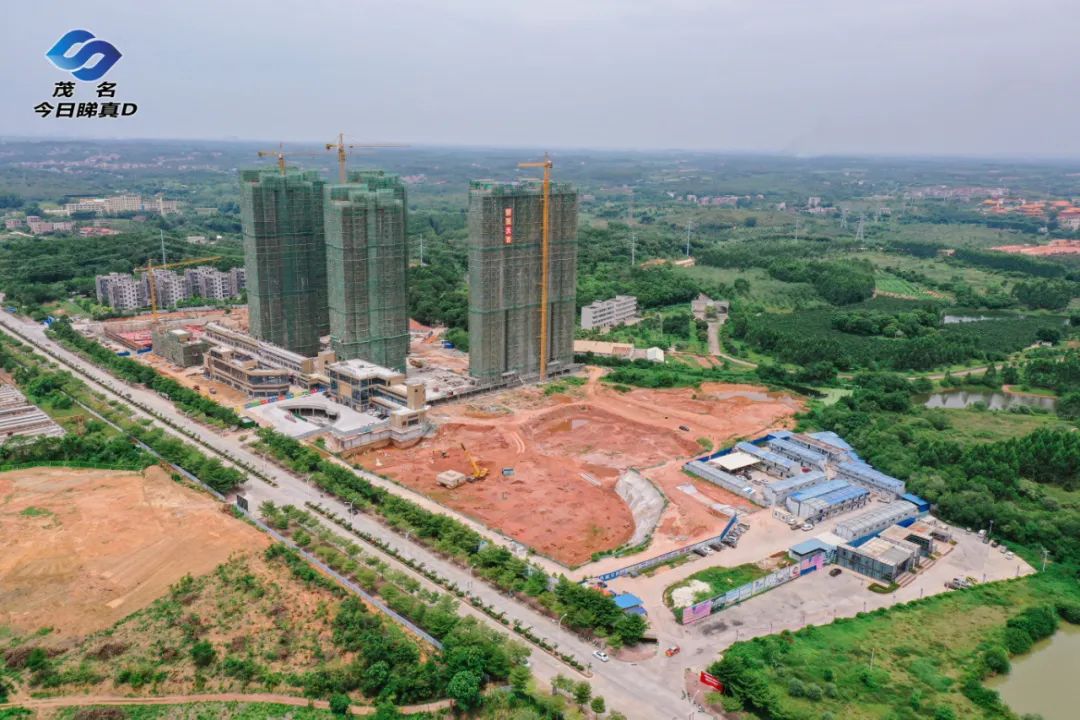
pixel 121 291
pixel 609 313
pixel 213 284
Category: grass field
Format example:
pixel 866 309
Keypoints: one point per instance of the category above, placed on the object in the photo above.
pixel 196 711
pixel 719 580
pixel 909 661
pixel 894 285
pixel 975 426
pixel 937 269
pixel 770 292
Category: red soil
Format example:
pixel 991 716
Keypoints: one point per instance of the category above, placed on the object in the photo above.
pixel 568 451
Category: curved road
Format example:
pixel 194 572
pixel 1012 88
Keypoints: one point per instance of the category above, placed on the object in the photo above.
pixel 649 689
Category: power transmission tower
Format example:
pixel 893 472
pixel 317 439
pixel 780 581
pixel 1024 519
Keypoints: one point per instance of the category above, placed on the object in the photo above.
pixel 796 225
pixel 843 218
pixel 859 234
pixel 689 225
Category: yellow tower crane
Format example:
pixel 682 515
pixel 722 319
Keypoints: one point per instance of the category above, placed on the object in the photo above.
pixel 342 153
pixel 280 154
pixel 545 254
pixel 151 267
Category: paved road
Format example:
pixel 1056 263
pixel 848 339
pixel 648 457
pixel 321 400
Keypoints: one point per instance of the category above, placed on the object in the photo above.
pixel 713 330
pixel 645 690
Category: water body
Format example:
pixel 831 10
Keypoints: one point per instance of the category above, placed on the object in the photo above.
pixel 1044 680
pixel 957 319
pixel 994 400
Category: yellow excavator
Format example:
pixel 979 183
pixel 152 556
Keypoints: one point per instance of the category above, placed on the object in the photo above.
pixel 479 472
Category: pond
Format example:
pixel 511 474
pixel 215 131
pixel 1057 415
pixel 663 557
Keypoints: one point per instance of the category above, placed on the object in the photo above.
pixel 1044 680
pixel 994 400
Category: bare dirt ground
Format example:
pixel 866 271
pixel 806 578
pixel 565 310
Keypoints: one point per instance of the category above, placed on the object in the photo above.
pixel 1054 247
pixel 193 379
pixel 567 452
pixel 84 548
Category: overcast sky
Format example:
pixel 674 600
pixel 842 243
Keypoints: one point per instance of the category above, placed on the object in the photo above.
pixel 928 77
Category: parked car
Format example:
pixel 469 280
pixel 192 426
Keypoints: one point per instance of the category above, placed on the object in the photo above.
pixel 684 428
pixel 672 651
pixel 834 572
pixel 601 655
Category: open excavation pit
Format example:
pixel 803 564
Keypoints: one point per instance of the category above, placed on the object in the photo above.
pixel 564 455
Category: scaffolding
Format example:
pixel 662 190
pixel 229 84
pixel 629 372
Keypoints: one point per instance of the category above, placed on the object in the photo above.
pixel 505 222
pixel 367 268
pixel 285 257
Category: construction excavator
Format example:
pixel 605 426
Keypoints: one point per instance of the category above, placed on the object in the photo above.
pixel 479 472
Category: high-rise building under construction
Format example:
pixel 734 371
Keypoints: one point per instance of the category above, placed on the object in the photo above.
pixel 367 263
pixel 505 279
pixel 285 257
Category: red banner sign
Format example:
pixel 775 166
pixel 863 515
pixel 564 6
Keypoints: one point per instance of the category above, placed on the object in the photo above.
pixel 508 226
pixel 711 680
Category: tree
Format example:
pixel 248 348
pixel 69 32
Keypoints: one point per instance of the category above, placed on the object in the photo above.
pixel 582 693
pixel 339 704
pixel 519 680
pixel 464 689
pixel 598 706
pixel 203 654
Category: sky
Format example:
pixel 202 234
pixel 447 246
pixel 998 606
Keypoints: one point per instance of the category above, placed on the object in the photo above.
pixel 874 77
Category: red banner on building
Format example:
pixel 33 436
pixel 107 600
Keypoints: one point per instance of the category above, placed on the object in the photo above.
pixel 711 680
pixel 508 225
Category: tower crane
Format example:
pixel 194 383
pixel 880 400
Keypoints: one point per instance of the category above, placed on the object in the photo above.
pixel 545 254
pixel 151 267
pixel 342 153
pixel 280 154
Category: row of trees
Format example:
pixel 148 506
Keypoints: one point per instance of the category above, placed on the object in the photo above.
pixel 148 377
pixel 585 610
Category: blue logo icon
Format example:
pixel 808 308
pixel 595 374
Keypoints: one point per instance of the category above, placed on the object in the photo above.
pixel 89 50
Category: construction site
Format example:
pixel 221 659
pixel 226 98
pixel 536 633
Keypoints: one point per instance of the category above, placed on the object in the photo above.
pixel 586 470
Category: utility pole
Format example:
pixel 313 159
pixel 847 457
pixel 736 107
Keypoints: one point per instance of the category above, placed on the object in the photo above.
pixel 859 234
pixel 796 226
pixel 689 225
pixel 1045 553
pixel 163 261
pixel 630 225
pixel 421 251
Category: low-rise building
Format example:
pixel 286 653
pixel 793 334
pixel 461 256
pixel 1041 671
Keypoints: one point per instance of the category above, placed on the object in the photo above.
pixel 704 306
pixel 179 345
pixel 860 473
pixel 364 386
pixel 609 313
pixel 244 372
pixel 879 559
pixel 21 419
pixel 303 371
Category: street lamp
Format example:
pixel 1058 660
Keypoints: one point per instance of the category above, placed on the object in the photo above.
pixel 561 619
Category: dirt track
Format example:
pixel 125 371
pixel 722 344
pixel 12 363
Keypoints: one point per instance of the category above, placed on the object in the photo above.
pixel 567 452
pixel 87 700
pixel 84 548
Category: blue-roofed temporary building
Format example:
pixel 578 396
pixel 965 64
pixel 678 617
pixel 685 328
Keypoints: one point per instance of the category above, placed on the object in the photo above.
pixel 774 463
pixel 778 491
pixel 809 548
pixel 922 505
pixel 627 601
pixel 830 438
pixel 798 453
pixel 862 474
pixel 826 500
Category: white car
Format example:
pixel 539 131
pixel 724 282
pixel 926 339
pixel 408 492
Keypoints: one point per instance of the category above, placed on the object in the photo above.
pixel 601 655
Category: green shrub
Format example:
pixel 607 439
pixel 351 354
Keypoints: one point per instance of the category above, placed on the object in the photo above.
pixel 339 704
pixel 997 660
pixel 1017 640
pixel 203 654
pixel 1069 612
